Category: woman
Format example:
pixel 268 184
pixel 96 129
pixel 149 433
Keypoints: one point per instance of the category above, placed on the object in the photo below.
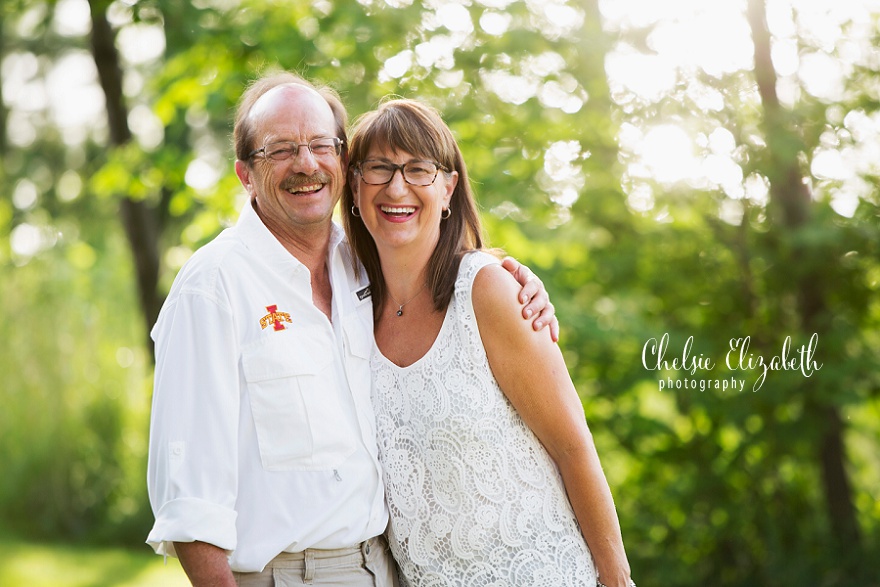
pixel 491 474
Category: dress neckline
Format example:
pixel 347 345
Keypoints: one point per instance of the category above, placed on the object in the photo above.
pixel 431 350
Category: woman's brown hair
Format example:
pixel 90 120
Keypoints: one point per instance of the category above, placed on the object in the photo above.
pixel 418 129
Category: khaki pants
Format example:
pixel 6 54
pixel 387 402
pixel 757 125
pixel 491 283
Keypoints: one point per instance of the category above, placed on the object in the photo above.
pixel 367 565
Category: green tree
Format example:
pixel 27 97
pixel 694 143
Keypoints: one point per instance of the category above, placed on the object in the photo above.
pixel 733 488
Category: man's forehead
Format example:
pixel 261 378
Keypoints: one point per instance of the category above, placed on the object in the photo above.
pixel 294 103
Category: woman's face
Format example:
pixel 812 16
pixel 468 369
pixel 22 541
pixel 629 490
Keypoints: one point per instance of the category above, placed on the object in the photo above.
pixel 398 214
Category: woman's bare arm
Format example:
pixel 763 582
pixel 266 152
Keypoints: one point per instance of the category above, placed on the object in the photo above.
pixel 532 374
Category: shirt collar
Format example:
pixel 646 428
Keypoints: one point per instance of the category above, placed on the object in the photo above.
pixel 337 235
pixel 261 241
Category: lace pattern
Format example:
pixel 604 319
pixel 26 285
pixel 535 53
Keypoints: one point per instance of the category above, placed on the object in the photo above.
pixel 475 500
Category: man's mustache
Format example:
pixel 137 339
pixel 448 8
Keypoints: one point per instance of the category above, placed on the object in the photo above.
pixel 300 179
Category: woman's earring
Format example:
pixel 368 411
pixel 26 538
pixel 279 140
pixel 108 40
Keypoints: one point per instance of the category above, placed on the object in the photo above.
pixel 446 213
pixel 355 211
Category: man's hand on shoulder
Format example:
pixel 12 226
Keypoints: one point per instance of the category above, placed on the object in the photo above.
pixel 535 297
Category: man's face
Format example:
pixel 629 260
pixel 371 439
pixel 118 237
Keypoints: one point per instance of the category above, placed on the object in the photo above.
pixel 296 195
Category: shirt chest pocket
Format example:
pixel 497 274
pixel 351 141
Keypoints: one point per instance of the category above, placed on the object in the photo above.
pixel 301 408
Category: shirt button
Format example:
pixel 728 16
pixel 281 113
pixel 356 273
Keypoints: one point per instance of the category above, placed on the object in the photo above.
pixel 367 548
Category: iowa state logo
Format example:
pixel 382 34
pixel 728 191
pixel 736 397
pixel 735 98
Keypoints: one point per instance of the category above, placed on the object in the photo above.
pixel 275 318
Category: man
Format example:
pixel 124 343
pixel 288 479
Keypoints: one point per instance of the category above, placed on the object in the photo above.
pixel 263 458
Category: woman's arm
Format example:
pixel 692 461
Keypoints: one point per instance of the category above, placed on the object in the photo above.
pixel 541 390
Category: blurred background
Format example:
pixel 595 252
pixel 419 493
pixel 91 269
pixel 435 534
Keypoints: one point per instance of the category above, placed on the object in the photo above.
pixel 705 169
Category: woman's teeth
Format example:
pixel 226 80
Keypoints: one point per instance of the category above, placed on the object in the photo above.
pixel 397 210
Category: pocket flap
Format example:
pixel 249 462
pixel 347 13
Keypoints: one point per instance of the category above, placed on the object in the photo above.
pixel 282 356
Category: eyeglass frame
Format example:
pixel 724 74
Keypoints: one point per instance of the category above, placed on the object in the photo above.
pixel 402 168
pixel 337 145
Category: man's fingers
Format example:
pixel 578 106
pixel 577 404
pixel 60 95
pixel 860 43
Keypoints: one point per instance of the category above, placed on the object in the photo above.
pixel 534 296
pixel 524 277
pixel 546 317
pixel 510 264
pixel 554 329
pixel 538 300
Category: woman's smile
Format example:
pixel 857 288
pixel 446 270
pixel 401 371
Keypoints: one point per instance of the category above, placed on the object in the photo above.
pixel 397 213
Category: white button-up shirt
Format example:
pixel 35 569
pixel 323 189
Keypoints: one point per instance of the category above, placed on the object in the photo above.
pixel 262 436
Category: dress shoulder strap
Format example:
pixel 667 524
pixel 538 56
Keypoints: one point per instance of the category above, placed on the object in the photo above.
pixel 471 264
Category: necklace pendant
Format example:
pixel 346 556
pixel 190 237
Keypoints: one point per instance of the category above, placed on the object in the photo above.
pixel 400 311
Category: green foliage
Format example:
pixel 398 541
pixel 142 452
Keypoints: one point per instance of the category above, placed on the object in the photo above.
pixel 75 400
pixel 712 486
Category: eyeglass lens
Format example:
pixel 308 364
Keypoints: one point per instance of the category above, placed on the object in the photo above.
pixel 420 173
pixel 284 150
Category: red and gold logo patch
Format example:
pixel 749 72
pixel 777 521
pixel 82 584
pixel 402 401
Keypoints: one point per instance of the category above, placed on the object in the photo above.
pixel 275 318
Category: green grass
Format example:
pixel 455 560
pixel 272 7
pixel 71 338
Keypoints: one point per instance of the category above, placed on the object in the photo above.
pixel 29 564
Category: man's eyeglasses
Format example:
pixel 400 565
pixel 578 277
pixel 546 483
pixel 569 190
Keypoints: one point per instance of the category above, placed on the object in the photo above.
pixel 284 150
pixel 419 173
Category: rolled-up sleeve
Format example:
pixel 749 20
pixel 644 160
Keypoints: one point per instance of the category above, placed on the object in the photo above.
pixel 192 473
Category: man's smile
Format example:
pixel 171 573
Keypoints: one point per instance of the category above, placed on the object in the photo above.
pixel 304 189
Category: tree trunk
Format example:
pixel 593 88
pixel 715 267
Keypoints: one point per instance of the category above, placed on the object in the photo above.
pixel 791 197
pixel 838 493
pixel 138 219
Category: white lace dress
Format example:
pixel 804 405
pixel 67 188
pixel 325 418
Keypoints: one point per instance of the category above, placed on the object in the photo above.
pixel 475 500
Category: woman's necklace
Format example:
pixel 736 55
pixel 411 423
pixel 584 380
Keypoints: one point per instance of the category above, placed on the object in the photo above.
pixel 400 306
